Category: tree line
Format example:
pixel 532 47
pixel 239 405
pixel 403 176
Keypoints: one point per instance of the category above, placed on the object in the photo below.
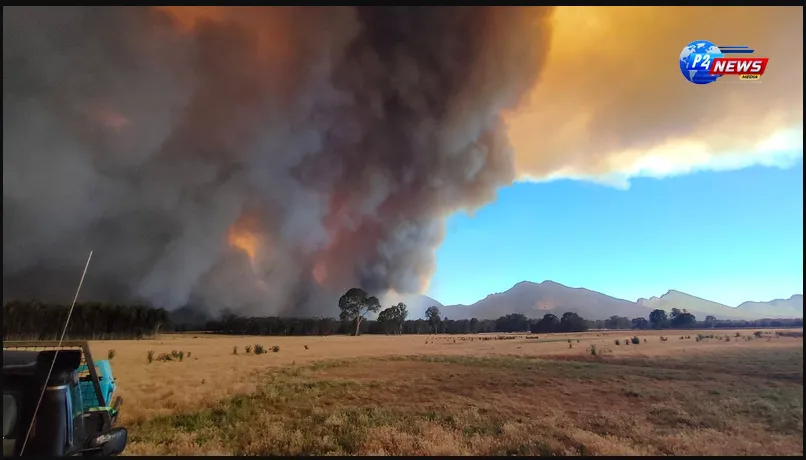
pixel 356 305
pixel 33 320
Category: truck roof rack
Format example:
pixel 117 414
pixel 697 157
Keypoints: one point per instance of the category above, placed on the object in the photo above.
pixel 86 358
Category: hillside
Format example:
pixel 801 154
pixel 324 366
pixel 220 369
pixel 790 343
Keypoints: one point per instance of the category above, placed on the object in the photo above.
pixel 536 299
pixel 695 305
pixel 416 304
pixel 778 308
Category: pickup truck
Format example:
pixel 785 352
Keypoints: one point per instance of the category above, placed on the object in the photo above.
pixel 63 425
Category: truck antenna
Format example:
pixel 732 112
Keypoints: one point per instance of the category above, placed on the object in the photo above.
pixel 61 339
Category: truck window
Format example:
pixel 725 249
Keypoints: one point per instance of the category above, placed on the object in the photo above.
pixel 76 411
pixel 10 413
pixel 77 400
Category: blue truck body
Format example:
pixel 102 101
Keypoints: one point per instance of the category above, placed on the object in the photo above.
pixel 107 382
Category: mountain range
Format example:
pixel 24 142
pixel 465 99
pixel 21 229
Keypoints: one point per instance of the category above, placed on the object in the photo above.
pixel 536 299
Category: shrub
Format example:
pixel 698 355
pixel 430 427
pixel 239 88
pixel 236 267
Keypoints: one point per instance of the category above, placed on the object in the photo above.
pixel 593 350
pixel 636 340
pixel 247 349
pixel 175 354
pixel 234 350
pixel 617 342
pixel 110 354
pixel 181 355
pixel 663 339
pixel 738 334
pixel 259 350
pixel 275 349
pixel 306 347
pixel 150 356
pixel 188 355
pixel 757 334
pixel 164 357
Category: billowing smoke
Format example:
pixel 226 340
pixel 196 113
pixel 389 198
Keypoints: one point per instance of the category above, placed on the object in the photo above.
pixel 258 159
pixel 611 103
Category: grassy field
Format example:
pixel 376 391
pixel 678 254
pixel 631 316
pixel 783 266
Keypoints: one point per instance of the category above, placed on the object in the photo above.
pixel 498 394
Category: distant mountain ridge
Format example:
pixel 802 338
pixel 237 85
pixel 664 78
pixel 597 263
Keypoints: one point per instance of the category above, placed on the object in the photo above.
pixel 416 304
pixel 782 308
pixel 536 299
pixel 697 306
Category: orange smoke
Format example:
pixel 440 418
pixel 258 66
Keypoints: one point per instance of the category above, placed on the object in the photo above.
pixel 186 17
pixel 610 100
pixel 242 235
pixel 269 26
pixel 243 240
pixel 320 272
pixel 106 116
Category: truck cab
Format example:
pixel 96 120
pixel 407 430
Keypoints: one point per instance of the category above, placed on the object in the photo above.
pixel 59 425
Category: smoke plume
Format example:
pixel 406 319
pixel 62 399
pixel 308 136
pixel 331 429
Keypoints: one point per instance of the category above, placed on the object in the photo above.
pixel 258 159
pixel 611 103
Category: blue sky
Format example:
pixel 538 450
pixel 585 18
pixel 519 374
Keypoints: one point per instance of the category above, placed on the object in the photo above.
pixel 726 236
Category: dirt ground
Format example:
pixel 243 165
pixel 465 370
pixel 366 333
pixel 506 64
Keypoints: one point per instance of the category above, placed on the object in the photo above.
pixel 210 371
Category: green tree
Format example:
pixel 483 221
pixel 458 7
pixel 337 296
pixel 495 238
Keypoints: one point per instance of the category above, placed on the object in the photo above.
pixel 658 319
pixel 684 320
pixel 640 323
pixel 354 306
pixel 386 319
pixel 432 316
pixel 513 322
pixel 572 322
pixel 617 322
pixel 392 318
pixel 549 323
pixel 400 313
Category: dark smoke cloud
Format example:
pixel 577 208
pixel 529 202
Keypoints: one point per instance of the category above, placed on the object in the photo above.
pixel 339 138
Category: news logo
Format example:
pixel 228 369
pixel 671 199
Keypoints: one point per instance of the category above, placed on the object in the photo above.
pixel 702 62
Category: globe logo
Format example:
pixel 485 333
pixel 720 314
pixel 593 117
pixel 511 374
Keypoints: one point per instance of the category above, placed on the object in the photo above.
pixel 696 60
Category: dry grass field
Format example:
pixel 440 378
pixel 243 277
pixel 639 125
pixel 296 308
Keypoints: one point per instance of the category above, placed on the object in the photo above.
pixel 500 394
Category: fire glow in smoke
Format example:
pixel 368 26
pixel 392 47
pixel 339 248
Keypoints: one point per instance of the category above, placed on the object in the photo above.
pixel 268 159
pixel 245 241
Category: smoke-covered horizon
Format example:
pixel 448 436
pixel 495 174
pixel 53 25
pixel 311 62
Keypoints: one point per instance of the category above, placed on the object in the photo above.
pixel 262 160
